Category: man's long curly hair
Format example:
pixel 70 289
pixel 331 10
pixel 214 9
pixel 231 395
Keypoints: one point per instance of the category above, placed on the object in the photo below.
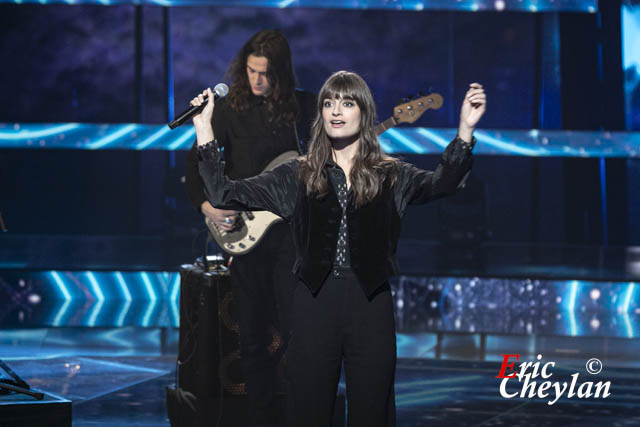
pixel 371 167
pixel 281 102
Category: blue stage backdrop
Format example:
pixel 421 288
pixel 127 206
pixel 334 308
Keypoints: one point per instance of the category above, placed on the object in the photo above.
pixel 78 63
pixel 631 62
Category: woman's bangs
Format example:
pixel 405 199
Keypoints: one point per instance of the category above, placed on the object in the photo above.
pixel 343 87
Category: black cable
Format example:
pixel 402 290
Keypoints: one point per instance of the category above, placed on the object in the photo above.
pixel 190 332
pixel 220 356
pixel 195 240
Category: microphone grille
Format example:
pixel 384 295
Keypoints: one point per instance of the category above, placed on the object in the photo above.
pixel 221 89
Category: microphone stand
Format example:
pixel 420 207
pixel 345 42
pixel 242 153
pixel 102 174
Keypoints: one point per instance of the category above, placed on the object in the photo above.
pixel 17 385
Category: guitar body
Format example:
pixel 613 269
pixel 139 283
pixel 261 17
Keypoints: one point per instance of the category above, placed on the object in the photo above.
pixel 250 226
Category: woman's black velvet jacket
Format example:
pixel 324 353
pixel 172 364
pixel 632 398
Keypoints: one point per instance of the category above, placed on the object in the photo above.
pixel 373 229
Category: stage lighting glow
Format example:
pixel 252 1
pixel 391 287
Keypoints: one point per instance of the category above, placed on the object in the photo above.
pixel 627 300
pixel 123 313
pixel 95 312
pixel 153 138
pixel 411 146
pixel 189 135
pixel 120 132
pixel 412 140
pixel 32 131
pixel 432 136
pixel 631 63
pixel 97 292
pixel 147 284
pixel 123 286
pixel 61 286
pixel 464 5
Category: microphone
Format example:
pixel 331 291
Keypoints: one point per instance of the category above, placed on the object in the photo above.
pixel 219 91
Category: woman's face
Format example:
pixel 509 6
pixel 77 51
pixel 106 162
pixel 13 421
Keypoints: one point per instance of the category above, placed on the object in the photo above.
pixel 341 118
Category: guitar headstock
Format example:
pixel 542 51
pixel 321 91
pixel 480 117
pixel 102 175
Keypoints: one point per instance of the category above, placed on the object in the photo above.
pixel 410 111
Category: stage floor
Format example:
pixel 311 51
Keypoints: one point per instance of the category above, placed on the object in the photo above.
pixel 115 384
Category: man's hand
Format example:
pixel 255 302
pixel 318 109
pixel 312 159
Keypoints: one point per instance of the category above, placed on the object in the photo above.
pixel 222 218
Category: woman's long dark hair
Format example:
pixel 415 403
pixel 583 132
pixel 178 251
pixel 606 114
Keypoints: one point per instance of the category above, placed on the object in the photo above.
pixel 371 166
pixel 281 102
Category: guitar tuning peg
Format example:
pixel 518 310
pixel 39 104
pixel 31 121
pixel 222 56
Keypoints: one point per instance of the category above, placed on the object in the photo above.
pixel 420 94
pixel 409 97
pixel 405 100
pixel 401 101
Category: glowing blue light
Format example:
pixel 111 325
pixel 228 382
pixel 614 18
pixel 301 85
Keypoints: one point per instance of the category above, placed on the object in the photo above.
pixel 627 324
pixel 573 327
pixel 175 312
pixel 174 301
pixel 627 300
pixel 57 320
pixel 403 340
pixel 163 282
pixel 113 336
pixel 408 139
pixel 123 313
pixel 187 136
pixel 433 137
pixel 63 289
pixel 385 147
pixel 147 285
pixel 153 138
pixel 176 288
pixel 123 286
pixel 405 141
pixel 108 139
pixel 95 311
pixel 474 5
pixel 32 134
pixel 573 291
pixel 94 285
pixel 146 319
pixel 631 60
pixel 512 148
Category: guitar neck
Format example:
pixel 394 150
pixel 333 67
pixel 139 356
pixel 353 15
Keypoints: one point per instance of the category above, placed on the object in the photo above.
pixel 387 124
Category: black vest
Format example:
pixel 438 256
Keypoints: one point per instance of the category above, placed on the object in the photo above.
pixel 373 238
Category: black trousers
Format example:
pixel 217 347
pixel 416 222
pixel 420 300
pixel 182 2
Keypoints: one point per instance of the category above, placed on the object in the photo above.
pixel 262 285
pixel 338 323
